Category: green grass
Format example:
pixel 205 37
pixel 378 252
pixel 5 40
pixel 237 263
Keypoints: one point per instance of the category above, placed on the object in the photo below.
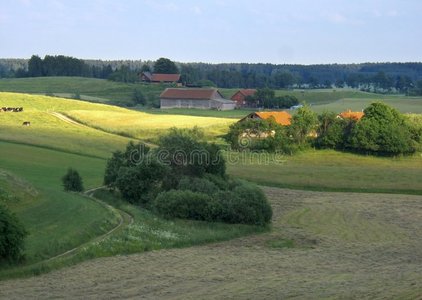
pixel 318 96
pixel 403 104
pixel 150 232
pixel 233 114
pixel 49 131
pixel 331 171
pixel 56 220
pixel 90 89
pixel 145 126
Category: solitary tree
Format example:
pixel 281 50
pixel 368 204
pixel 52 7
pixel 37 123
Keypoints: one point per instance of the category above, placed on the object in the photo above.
pixel 165 66
pixel 72 181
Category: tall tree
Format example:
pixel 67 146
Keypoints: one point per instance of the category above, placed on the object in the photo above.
pixel 165 66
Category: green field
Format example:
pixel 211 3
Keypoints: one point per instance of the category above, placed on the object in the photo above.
pixel 34 159
pixel 56 220
pixel 330 170
pixel 403 104
pixel 90 89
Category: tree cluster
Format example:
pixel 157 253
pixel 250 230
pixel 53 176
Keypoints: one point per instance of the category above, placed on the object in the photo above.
pixel 185 177
pixel 265 98
pixel 381 131
pixel 376 77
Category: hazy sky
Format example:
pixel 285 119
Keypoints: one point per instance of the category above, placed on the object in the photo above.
pixel 273 31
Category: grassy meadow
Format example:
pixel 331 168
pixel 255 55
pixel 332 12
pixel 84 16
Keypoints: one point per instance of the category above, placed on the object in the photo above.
pixel 57 221
pixel 330 170
pixel 34 158
pixel 90 89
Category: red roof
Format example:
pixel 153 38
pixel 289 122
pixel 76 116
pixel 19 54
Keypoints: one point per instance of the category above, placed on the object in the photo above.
pixel 165 77
pixel 248 92
pixel 356 115
pixel 190 93
pixel 281 117
pixel 244 93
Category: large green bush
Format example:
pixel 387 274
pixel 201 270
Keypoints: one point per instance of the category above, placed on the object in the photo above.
pixel 244 204
pixel 133 155
pixel 183 204
pixel 382 130
pixel 200 185
pixel 140 183
pixel 12 234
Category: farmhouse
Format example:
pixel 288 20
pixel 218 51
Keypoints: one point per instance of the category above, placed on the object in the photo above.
pixel 354 115
pixel 281 117
pixel 159 78
pixel 195 98
pixel 240 96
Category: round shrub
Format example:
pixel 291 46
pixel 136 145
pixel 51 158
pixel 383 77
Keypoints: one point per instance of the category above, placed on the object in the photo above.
pixel 12 234
pixel 245 204
pixel 72 181
pixel 200 185
pixel 183 204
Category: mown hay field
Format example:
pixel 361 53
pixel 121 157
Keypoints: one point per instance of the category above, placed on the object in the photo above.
pixel 323 245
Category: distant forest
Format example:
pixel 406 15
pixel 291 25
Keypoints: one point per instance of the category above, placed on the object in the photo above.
pixel 405 78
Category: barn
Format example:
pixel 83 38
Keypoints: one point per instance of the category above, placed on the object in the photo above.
pixel 240 97
pixel 203 98
pixel 159 78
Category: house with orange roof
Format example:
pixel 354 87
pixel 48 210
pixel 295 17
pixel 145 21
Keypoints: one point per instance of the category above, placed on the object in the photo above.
pixel 240 96
pixel 349 114
pixel 281 117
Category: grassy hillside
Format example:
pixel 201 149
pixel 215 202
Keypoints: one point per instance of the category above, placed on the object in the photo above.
pixel 56 220
pixel 147 126
pixel 49 131
pixel 90 89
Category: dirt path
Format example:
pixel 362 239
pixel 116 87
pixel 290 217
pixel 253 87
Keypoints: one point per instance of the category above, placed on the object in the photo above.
pixel 66 119
pixel 346 246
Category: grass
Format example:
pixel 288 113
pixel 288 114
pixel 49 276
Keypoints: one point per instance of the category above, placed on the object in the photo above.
pixel 49 131
pixel 147 126
pixel 150 232
pixel 90 89
pixel 330 170
pixel 403 104
pixel 318 96
pixel 56 220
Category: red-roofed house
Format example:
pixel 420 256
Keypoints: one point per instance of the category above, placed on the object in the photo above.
pixel 354 115
pixel 240 96
pixel 195 98
pixel 281 117
pixel 158 78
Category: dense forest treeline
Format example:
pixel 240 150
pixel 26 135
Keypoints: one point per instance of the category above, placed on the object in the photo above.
pixel 376 77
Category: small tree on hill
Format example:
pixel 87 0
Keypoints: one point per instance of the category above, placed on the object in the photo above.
pixel 12 234
pixel 72 181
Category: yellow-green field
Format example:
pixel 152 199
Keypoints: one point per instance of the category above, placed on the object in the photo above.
pixel 49 130
pixel 142 125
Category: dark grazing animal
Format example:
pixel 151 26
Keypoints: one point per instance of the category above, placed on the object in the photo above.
pixel 26 123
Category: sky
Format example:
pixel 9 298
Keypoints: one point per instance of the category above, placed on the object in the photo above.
pixel 215 31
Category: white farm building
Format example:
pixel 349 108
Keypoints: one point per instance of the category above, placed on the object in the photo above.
pixel 205 98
